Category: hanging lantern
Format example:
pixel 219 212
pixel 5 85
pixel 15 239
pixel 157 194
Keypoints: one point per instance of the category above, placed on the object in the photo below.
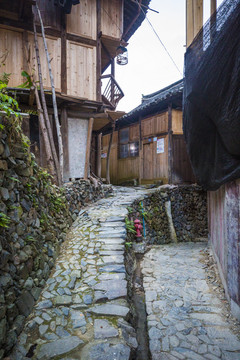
pixel 122 55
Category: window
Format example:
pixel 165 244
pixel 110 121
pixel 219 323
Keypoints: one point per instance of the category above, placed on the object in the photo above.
pixel 127 148
pixel 133 149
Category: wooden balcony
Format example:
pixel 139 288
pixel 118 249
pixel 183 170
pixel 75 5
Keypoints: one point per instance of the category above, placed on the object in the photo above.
pixel 112 93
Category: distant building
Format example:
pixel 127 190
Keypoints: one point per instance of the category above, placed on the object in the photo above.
pixel 148 144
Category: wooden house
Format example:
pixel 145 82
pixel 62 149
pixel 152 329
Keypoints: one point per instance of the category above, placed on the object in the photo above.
pixel 221 180
pixel 82 39
pixel 147 144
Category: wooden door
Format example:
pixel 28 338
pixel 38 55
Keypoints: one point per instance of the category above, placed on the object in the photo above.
pixel 148 161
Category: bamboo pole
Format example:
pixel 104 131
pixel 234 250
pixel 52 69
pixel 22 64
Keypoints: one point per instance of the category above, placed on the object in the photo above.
pixel 50 162
pixel 58 128
pixel 43 128
pixel 44 106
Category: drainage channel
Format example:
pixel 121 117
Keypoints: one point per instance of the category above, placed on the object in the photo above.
pixel 136 298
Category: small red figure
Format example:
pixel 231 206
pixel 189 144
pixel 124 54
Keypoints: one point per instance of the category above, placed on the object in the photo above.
pixel 138 227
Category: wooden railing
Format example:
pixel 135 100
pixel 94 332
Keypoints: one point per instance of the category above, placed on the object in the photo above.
pixel 112 93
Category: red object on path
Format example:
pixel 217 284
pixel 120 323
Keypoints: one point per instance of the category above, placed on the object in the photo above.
pixel 138 227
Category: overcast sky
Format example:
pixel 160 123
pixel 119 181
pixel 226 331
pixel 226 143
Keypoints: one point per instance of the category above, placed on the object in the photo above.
pixel 149 68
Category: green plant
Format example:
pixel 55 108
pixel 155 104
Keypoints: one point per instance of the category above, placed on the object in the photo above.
pixel 4 220
pixel 4 78
pixel 14 179
pixel 130 209
pixel 30 239
pixel 128 244
pixel 28 83
pixel 7 103
pixel 130 226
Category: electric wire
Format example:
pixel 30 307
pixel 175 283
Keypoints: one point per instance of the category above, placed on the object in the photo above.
pixel 149 22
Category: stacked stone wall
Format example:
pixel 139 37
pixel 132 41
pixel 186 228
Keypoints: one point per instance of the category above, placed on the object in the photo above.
pixel 34 218
pixel 188 205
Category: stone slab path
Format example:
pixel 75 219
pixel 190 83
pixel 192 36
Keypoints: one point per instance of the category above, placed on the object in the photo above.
pixel 185 318
pixel 83 310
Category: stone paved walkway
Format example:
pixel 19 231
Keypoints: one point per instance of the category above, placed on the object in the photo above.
pixel 185 318
pixel 83 309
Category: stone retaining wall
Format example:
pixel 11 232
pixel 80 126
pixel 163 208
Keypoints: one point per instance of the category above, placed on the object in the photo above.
pixel 188 206
pixel 34 218
pixel 81 192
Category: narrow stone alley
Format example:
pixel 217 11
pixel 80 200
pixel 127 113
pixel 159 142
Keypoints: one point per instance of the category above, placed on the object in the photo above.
pixel 84 313
pixel 186 319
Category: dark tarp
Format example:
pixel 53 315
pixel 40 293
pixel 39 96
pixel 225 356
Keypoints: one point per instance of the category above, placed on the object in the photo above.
pixel 211 120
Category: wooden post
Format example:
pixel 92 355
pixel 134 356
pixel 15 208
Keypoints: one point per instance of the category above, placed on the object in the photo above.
pixel 64 127
pixel 194 19
pixel 213 6
pixel 140 152
pixel 170 144
pixel 98 52
pixel 99 150
pixel 108 154
pixel 63 54
pixel 112 83
pixel 88 148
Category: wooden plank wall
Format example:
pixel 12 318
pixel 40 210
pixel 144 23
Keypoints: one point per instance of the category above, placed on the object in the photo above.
pixel 177 122
pixel 82 20
pixel 81 70
pixel 54 48
pixel 155 125
pixel 11 44
pixel 224 231
pixel 112 18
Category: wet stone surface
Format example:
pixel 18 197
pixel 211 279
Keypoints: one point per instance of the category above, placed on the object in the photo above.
pixel 84 302
pixel 185 318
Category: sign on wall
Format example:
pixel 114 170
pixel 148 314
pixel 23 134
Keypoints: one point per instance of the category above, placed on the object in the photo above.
pixel 160 146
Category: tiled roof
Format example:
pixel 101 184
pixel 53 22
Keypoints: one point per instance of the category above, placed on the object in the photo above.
pixel 151 101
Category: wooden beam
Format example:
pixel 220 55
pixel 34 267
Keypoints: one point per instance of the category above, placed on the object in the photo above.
pixel 63 54
pixel 99 152
pixel 194 19
pixel 81 39
pixel 99 52
pixel 170 144
pixel 108 154
pixel 198 16
pixel 213 6
pixel 88 148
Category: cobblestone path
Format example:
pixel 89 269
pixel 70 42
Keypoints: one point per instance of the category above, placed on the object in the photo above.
pixel 83 308
pixel 185 318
